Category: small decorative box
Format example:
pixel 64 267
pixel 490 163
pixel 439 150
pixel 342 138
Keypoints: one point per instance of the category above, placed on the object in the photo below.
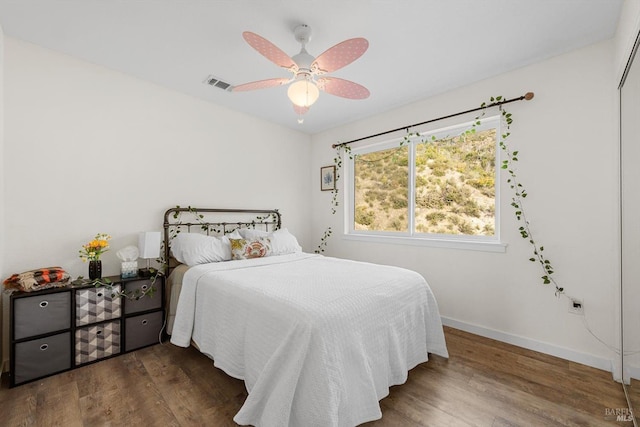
pixel 129 269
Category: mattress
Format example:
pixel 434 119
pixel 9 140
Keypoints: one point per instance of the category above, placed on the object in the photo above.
pixel 172 293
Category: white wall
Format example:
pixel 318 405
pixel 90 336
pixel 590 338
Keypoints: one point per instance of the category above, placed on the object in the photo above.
pixel 91 150
pixel 568 162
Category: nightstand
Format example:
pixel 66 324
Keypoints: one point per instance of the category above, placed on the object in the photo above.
pixel 55 330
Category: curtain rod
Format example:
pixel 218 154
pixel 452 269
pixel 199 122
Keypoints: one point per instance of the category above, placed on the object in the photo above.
pixel 527 96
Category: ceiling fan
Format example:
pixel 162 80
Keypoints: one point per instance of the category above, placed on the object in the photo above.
pixel 309 72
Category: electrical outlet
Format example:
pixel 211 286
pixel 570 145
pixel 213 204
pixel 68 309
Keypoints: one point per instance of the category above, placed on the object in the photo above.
pixel 576 306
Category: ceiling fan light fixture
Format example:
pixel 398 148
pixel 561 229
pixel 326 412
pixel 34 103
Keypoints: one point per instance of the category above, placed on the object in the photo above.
pixel 303 92
pixel 304 89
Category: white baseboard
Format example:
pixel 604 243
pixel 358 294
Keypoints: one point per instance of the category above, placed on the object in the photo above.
pixel 631 371
pixel 528 343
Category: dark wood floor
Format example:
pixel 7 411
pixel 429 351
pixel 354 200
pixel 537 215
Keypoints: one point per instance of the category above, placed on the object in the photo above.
pixel 483 383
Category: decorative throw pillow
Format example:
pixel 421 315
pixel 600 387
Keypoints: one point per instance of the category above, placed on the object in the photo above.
pixel 247 249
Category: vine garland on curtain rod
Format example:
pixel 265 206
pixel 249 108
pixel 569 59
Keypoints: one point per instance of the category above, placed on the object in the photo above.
pixel 527 96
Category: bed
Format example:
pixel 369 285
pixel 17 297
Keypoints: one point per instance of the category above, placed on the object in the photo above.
pixel 317 340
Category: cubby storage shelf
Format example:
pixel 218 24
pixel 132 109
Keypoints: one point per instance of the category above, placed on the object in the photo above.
pixel 55 330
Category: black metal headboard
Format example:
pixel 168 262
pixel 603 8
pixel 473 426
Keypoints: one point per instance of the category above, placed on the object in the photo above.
pixel 212 221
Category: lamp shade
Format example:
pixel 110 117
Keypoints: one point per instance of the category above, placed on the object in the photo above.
pixel 149 244
pixel 303 92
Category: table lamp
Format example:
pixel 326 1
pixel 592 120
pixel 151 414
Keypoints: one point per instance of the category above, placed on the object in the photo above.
pixel 149 247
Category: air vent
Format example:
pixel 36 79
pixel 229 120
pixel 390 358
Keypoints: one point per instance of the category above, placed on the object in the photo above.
pixel 216 82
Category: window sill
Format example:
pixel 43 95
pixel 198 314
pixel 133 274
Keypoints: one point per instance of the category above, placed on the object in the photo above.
pixel 472 245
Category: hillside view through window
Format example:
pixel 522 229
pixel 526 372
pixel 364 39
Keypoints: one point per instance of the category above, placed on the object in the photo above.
pixel 452 190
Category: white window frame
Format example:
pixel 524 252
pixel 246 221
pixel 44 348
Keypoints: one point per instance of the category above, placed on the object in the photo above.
pixel 480 243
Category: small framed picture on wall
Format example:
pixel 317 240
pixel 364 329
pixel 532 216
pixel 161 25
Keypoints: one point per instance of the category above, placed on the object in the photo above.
pixel 327 178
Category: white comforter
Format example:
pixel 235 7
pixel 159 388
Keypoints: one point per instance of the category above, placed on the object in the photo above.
pixel 317 340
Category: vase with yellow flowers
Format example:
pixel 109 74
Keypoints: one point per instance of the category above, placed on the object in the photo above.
pixel 91 252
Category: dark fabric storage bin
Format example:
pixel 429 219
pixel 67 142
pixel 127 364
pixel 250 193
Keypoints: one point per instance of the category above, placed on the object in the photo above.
pixel 142 330
pixel 42 357
pixel 145 303
pixel 41 314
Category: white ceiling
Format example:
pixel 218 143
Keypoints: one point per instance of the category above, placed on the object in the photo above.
pixel 418 48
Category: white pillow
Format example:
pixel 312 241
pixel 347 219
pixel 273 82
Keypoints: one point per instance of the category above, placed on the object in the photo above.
pixel 235 234
pixel 194 248
pixel 283 242
pixel 251 233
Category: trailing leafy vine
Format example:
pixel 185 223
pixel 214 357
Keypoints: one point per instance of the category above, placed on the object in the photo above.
pixel 324 240
pixel 116 290
pixel 519 192
pixel 341 151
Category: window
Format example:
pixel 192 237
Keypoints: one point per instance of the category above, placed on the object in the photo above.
pixel 438 186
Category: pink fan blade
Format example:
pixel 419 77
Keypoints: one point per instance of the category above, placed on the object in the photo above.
pixel 300 110
pixel 339 55
pixel 343 88
pixel 270 51
pixel 261 84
